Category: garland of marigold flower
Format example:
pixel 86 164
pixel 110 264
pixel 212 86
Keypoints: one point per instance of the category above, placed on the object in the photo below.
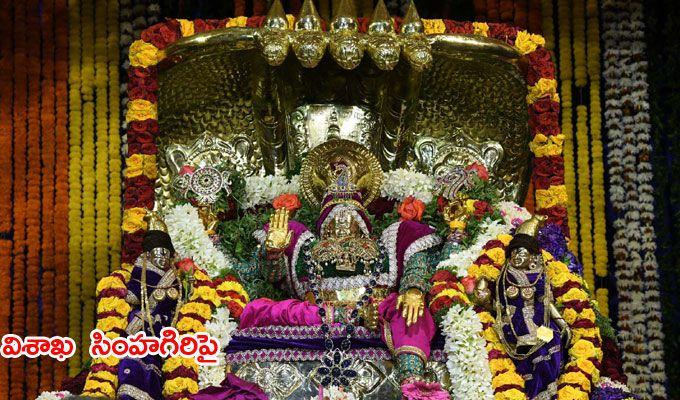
pixel 88 248
pixel 600 260
pixel 585 211
pixel 75 183
pixel 115 163
pixel 6 122
pixel 48 154
pixel 33 204
pixel 61 208
pixel 585 221
pixel 581 372
pixel 101 237
pixel 112 319
pixel 181 374
pixel 547 25
pixel 566 75
pixel 17 365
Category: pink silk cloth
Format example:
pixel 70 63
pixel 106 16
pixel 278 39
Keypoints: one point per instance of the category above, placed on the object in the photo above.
pixel 401 338
pixel 265 312
pixel 397 336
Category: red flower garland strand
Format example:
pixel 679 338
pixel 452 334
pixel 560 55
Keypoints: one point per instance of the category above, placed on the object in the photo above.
pixel 33 205
pixel 48 156
pixel 6 75
pixel 17 365
pixel 61 266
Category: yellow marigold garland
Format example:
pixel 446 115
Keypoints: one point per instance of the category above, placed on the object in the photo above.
pixel 579 45
pixel 584 199
pixel 75 186
pixel 566 75
pixel 601 256
pixel 111 290
pixel 102 145
pixel 115 164
pixel 88 175
pixel 547 25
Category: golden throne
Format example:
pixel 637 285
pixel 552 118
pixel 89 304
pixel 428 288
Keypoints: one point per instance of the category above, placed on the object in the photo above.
pixel 258 99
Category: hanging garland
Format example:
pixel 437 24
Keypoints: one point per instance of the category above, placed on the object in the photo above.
pixel 101 143
pixel 88 245
pixel 6 126
pixel 75 183
pixel 114 157
pixel 48 154
pixel 600 254
pixel 33 204
pixel 565 68
pixel 631 195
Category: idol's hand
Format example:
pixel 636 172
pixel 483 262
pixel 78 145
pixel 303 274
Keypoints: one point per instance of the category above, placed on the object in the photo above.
pixel 412 305
pixel 278 237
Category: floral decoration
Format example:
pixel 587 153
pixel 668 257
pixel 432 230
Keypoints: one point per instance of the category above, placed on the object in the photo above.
pixel 401 183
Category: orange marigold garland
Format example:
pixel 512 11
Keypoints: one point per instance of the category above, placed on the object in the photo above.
pixel 17 365
pixel 61 209
pixel 75 184
pixel 33 207
pixel 48 155
pixel 6 122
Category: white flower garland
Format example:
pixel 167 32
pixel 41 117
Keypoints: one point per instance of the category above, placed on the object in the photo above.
pixel 221 326
pixel 54 395
pixel 261 190
pixel 400 183
pixel 458 263
pixel 513 214
pixel 631 195
pixel 191 241
pixel 466 356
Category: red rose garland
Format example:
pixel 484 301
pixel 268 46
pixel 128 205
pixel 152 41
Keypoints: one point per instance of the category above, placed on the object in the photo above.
pixel 48 155
pixel 6 75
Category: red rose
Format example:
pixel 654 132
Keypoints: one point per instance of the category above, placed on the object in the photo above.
pixel 546 123
pixel 132 246
pixel 557 215
pixel 458 27
pixel 411 209
pixel 469 284
pixel 483 260
pixel 205 25
pixel 258 15
pixel 493 243
pixel 442 275
pixel 478 169
pixel 503 32
pixel 141 137
pixel 186 264
pixel 482 208
pixel 548 166
pixel 149 125
pixel 540 65
pixel 289 201
pixel 381 206
pixel 161 35
pixel 544 104
pixel 138 197
pixel 544 182
pixel 142 148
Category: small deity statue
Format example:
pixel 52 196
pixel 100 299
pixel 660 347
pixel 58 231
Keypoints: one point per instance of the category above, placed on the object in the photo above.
pixel 344 274
pixel 527 321
pixel 155 295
